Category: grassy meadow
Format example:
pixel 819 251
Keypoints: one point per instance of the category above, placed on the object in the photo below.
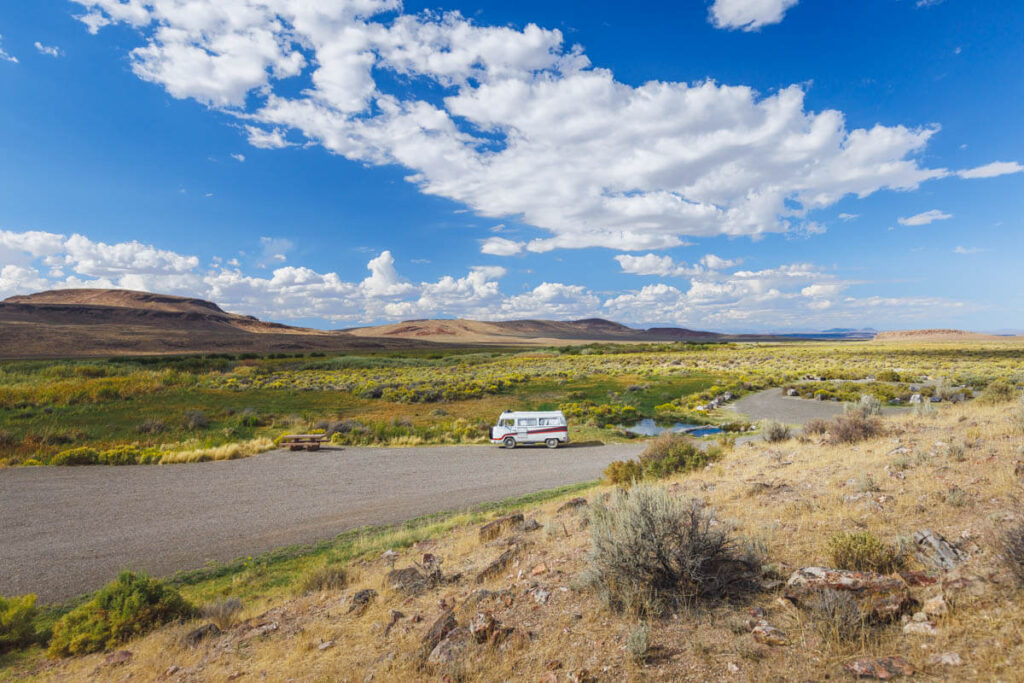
pixel 182 409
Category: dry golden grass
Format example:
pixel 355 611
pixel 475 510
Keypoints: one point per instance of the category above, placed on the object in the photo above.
pixel 231 451
pixel 790 498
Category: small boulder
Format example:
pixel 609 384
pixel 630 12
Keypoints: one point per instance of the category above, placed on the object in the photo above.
pixel 920 628
pixel 932 549
pixel 361 601
pixel 498 566
pixel 495 527
pixel 881 668
pixel 766 634
pixel 530 525
pixel 440 628
pixel 946 659
pixel 572 504
pixel 451 647
pixel 483 626
pixel 539 570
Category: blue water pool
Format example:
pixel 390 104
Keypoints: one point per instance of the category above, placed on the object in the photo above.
pixel 649 427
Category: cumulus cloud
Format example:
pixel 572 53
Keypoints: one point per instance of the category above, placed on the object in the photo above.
pixel 996 168
pixel 748 15
pixel 924 218
pixel 714 295
pixel 5 56
pixel 266 139
pixel 666 266
pixel 519 123
pixel 48 50
pixel 499 246
pixel 238 157
pixel 717 263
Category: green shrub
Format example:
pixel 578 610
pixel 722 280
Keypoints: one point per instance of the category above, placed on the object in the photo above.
pixel 864 552
pixel 998 391
pixel 651 551
pixel 17 628
pixel 887 376
pixel 671 453
pixel 122 455
pixel 623 472
pixel 76 456
pixel 130 605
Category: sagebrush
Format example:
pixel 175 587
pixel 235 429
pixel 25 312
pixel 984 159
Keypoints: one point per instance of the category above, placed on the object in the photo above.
pixel 651 551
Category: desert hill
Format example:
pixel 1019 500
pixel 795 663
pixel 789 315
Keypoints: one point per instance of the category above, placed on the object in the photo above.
pixel 535 332
pixel 99 322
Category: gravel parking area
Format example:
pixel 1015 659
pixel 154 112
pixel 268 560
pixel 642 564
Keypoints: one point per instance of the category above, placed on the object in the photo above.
pixel 772 404
pixel 69 530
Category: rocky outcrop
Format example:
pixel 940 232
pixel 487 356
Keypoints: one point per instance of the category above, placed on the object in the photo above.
pixel 880 597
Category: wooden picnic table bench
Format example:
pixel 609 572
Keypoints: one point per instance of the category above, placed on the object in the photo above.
pixel 298 442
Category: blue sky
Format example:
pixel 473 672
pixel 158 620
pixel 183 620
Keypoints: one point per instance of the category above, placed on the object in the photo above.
pixel 731 165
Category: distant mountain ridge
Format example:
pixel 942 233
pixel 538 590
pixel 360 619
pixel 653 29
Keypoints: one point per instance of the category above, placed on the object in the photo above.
pixel 97 322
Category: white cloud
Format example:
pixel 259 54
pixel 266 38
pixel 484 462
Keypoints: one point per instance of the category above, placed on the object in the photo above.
pixel 652 264
pixel 499 246
pixel 848 216
pixel 5 56
pixel 384 279
pixel 49 50
pixel 967 250
pixel 266 139
pixel 925 218
pixel 238 157
pixel 526 127
pixel 748 15
pixel 717 263
pixel 996 168
pixel 798 295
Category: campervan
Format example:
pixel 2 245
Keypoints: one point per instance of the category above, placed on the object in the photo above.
pixel 514 428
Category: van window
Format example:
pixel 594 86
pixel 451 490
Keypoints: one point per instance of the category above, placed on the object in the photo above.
pixel 507 422
pixel 527 422
pixel 548 421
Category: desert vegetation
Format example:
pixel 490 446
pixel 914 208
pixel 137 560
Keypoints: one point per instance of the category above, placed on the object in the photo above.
pixel 193 408
pixel 798 558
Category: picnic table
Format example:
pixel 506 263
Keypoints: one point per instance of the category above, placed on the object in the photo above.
pixel 298 442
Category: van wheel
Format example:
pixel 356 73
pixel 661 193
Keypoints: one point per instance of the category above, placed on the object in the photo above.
pixel 509 442
pixel 551 443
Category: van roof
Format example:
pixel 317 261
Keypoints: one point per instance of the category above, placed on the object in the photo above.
pixel 533 413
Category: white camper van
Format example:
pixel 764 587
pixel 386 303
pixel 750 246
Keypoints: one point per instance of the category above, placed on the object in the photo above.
pixel 547 427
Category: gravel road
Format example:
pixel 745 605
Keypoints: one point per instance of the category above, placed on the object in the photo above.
pixel 68 530
pixel 772 404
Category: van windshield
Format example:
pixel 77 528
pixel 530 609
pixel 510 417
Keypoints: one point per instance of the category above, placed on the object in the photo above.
pixel 507 422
